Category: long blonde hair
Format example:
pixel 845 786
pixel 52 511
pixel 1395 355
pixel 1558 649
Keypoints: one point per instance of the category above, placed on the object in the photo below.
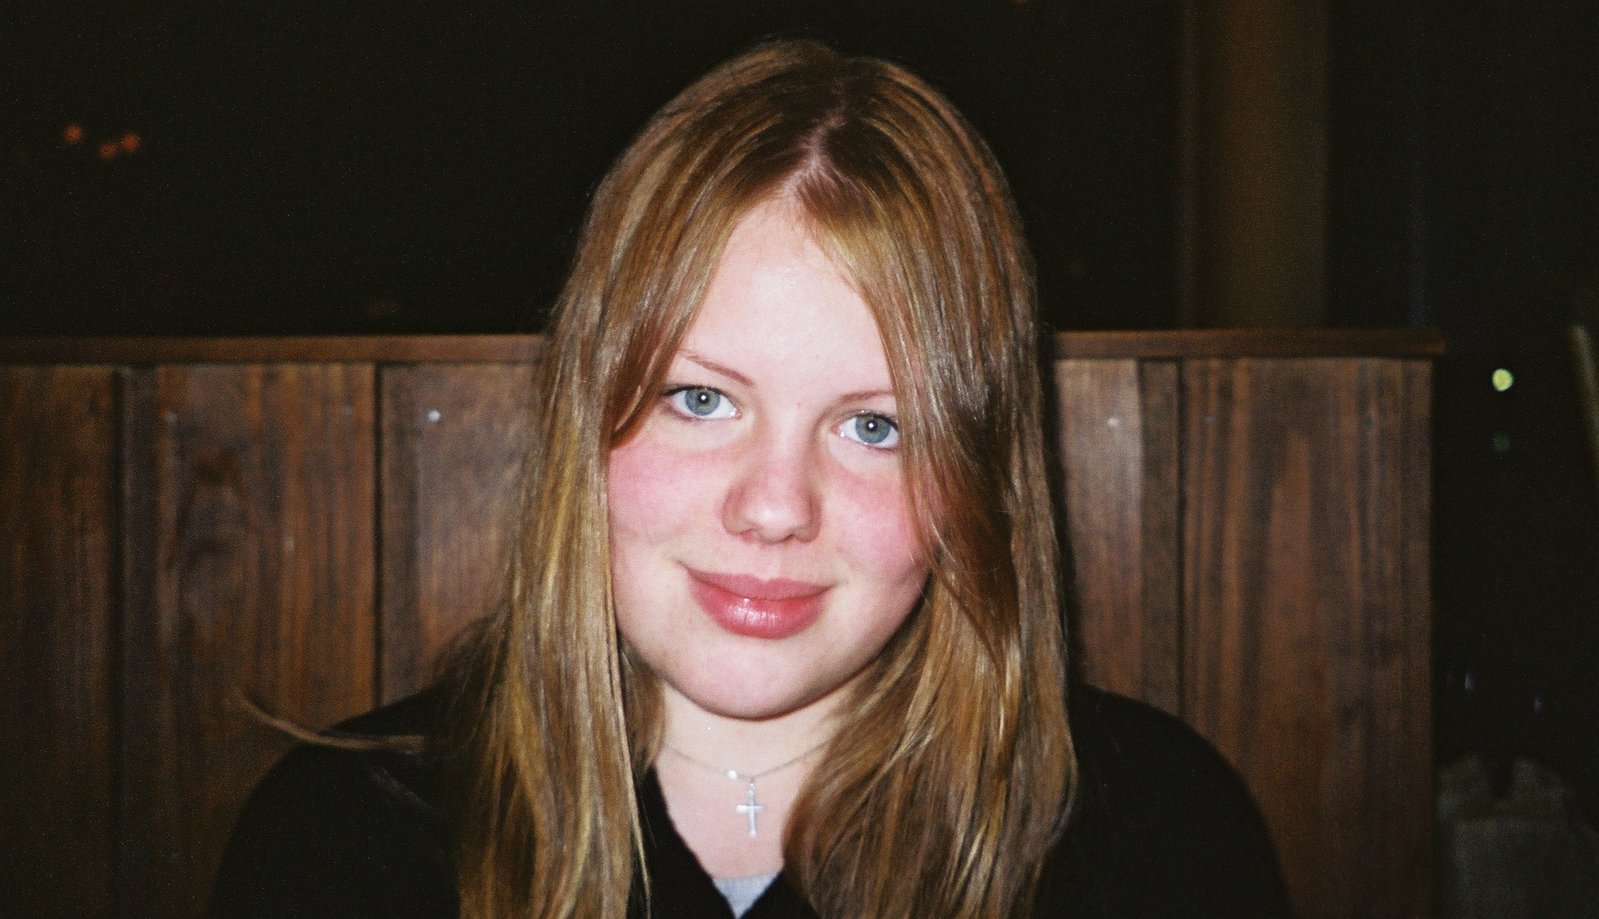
pixel 557 723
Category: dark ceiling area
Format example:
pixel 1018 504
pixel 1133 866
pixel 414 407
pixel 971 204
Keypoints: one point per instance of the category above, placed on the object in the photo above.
pixel 272 167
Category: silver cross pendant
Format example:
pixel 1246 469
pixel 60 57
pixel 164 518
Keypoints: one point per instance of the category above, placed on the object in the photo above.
pixel 749 808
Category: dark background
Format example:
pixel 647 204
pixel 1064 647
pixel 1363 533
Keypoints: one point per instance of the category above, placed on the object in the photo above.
pixel 422 167
pixel 361 167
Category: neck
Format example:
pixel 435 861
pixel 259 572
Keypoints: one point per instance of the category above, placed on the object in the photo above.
pixel 734 824
pixel 749 746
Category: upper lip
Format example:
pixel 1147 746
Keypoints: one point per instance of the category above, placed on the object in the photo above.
pixel 750 587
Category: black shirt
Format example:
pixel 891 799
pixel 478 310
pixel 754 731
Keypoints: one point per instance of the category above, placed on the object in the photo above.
pixel 1163 827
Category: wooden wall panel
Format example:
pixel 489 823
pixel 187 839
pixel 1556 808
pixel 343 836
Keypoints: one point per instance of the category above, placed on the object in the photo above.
pixel 1250 540
pixel 250 574
pixel 1118 446
pixel 454 438
pixel 57 593
pixel 1306 614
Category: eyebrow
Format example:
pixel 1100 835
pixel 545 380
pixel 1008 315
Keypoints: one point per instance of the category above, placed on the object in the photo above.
pixel 714 366
pixel 718 367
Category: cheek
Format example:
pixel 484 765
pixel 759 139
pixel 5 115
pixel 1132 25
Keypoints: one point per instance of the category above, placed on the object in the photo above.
pixel 644 491
pixel 878 530
pixel 641 517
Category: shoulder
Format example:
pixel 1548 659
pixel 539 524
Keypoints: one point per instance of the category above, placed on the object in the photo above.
pixel 1129 751
pixel 348 832
pixel 1161 824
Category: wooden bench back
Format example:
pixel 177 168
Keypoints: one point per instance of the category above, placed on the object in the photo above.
pixel 307 521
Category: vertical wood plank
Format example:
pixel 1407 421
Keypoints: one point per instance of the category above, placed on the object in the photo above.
pixel 57 596
pixel 256 581
pixel 454 438
pixel 141 749
pixel 1306 616
pixel 1404 660
pixel 1118 447
pixel 1161 559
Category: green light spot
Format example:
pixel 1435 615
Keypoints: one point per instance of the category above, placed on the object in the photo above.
pixel 1501 442
pixel 1503 379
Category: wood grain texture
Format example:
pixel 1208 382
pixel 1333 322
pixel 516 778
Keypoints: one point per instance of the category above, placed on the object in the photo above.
pixel 1163 344
pixel 280 349
pixel 1174 344
pixel 57 596
pixel 1305 614
pixel 1250 542
pixel 1162 536
pixel 1118 448
pixel 454 439
pixel 250 575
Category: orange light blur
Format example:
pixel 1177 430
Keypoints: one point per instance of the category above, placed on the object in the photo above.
pixel 130 142
pixel 72 134
pixel 109 150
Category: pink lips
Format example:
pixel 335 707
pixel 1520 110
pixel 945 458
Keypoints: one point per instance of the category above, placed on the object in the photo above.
pixel 756 607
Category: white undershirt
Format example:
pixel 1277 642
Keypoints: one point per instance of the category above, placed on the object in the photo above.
pixel 741 893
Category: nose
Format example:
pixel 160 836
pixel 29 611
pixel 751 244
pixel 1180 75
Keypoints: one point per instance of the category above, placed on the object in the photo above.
pixel 775 497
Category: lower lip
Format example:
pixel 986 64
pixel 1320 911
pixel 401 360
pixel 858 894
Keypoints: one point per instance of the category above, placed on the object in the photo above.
pixel 757 617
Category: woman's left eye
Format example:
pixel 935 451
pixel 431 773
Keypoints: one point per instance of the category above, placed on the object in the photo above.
pixel 871 429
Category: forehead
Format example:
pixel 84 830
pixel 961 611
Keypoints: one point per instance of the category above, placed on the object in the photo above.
pixel 776 296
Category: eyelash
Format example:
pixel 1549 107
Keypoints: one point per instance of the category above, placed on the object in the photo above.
pixel 890 440
pixel 677 398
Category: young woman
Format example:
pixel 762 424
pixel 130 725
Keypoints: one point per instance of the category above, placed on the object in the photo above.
pixel 783 628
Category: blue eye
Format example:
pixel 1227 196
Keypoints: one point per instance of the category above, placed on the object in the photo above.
pixel 700 402
pixel 872 429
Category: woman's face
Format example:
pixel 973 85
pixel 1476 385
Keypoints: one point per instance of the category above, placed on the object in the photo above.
pixel 762 544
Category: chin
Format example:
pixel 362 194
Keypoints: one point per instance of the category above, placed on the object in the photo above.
pixel 748 702
pixel 749 706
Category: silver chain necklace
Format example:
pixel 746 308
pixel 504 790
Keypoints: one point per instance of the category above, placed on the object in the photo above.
pixel 750 808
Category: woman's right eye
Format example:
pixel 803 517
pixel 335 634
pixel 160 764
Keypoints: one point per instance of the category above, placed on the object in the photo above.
pixel 700 402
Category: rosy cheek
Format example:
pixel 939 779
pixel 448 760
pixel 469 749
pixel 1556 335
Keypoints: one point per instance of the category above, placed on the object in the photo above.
pixel 639 486
pixel 876 521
